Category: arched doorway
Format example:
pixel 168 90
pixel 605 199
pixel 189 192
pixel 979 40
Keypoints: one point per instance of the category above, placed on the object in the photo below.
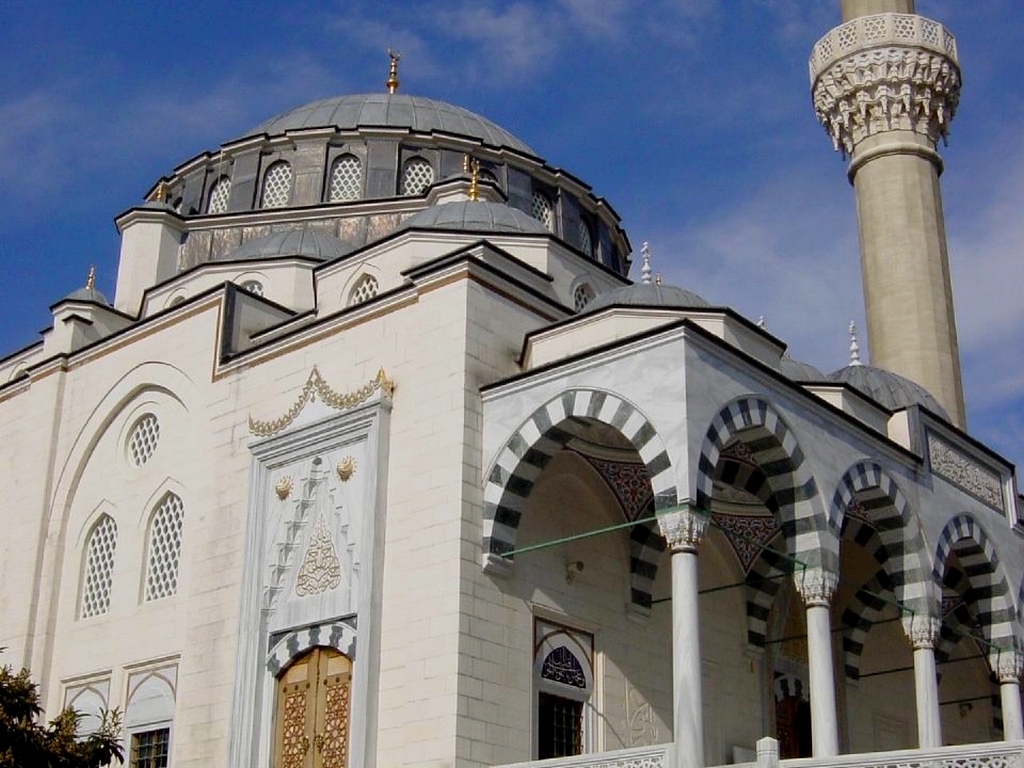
pixel 313 711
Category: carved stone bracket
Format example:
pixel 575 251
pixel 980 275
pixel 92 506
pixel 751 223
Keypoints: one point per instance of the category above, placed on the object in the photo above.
pixel 683 529
pixel 1009 666
pixel 922 631
pixel 815 585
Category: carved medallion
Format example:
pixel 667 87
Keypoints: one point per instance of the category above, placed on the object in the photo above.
pixel 283 488
pixel 320 568
pixel 346 468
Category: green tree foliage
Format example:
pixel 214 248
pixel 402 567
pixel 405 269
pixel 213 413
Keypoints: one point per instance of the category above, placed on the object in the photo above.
pixel 27 743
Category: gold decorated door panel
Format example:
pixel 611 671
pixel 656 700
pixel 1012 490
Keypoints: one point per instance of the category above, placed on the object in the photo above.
pixel 312 715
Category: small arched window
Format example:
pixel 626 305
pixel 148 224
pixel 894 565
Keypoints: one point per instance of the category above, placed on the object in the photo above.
pixel 277 186
pixel 543 210
pixel 143 439
pixel 346 181
pixel 365 289
pixel 582 297
pixel 417 176
pixel 164 548
pixel 254 287
pixel 98 568
pixel 564 679
pixel 586 239
pixel 219 194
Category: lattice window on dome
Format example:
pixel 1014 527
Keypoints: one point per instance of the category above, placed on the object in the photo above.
pixel 219 195
pixel 581 297
pixel 346 181
pixel 254 287
pixel 164 548
pixel 277 186
pixel 417 176
pixel 542 210
pixel 586 239
pixel 364 290
pixel 143 439
pixel 98 574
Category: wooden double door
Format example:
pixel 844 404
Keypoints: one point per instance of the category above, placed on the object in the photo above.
pixel 313 711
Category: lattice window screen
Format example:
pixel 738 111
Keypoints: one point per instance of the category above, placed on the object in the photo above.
pixel 99 568
pixel 219 196
pixel 164 549
pixel 277 185
pixel 346 179
pixel 582 297
pixel 365 290
pixel 417 175
pixel 145 436
pixel 540 207
pixel 586 240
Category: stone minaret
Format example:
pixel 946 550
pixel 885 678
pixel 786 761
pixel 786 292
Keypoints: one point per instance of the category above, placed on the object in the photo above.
pixel 886 85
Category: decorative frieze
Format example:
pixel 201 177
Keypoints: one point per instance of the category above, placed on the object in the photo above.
pixel 882 73
pixel 815 585
pixel 683 529
pixel 965 472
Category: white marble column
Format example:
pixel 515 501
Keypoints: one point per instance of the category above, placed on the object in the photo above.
pixel 1009 667
pixel 684 530
pixel 923 633
pixel 816 587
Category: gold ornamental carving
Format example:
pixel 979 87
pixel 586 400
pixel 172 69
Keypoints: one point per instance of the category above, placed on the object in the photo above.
pixel 315 387
pixel 346 468
pixel 320 569
pixel 283 488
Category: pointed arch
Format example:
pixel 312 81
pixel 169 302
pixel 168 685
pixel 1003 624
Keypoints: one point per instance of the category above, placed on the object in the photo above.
pixel 291 645
pixel 545 432
pixel 989 592
pixel 863 612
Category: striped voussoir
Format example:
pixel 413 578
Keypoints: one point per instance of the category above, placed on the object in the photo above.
pixel 775 450
pixel 957 624
pixel 864 611
pixel 337 635
pixel 989 593
pixel 880 499
pixel 523 457
pixel 764 580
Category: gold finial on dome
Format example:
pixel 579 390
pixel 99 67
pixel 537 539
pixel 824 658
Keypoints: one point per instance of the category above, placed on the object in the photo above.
pixel 474 180
pixel 392 82
pixel 159 193
pixel 465 164
pixel 90 281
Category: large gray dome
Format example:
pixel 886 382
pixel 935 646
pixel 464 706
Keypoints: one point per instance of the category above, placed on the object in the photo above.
pixel 475 216
pixel 397 110
pixel 87 294
pixel 649 295
pixel 888 388
pixel 293 242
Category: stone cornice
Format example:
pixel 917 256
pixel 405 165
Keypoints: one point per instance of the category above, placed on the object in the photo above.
pixel 884 73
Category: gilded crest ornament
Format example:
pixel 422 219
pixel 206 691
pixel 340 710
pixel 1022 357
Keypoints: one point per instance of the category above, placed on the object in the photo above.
pixel 283 488
pixel 320 569
pixel 346 468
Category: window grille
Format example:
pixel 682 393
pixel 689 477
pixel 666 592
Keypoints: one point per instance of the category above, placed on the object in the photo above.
pixel 364 290
pixel 253 286
pixel 346 179
pixel 144 437
pixel 151 749
pixel 99 567
pixel 540 207
pixel 417 176
pixel 164 549
pixel 277 186
pixel 582 297
pixel 586 240
pixel 560 731
pixel 219 195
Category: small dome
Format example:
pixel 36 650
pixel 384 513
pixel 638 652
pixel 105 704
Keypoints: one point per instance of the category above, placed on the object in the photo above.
pixel 293 242
pixel 87 294
pixel 475 216
pixel 648 295
pixel 391 110
pixel 890 389
pixel 797 370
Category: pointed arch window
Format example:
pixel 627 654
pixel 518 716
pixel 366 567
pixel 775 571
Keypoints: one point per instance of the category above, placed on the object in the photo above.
pixel 563 669
pixel 365 289
pixel 346 181
pixel 417 176
pixel 98 571
pixel 313 711
pixel 164 548
pixel 277 185
pixel 586 239
pixel 219 193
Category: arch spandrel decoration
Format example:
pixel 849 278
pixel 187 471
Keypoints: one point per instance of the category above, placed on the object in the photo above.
pixel 524 455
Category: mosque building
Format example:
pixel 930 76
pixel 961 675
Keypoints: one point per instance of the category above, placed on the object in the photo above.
pixel 377 457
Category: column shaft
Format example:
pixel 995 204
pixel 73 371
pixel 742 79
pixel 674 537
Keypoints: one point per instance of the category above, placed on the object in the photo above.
pixel 926 687
pixel 824 728
pixel 1013 724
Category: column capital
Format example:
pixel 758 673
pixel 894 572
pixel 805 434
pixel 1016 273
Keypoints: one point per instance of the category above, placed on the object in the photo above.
pixel 922 631
pixel 1009 666
pixel 815 585
pixel 683 528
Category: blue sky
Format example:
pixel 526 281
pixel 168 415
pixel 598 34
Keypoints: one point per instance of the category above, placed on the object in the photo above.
pixel 692 117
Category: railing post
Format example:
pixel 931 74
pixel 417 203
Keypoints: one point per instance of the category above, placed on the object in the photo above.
pixel 767 752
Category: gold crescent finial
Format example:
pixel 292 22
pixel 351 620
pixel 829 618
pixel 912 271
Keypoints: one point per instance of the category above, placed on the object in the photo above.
pixel 158 193
pixel 392 82
pixel 90 281
pixel 474 180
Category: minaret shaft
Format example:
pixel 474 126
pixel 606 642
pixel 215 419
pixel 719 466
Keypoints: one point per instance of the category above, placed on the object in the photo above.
pixel 886 85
